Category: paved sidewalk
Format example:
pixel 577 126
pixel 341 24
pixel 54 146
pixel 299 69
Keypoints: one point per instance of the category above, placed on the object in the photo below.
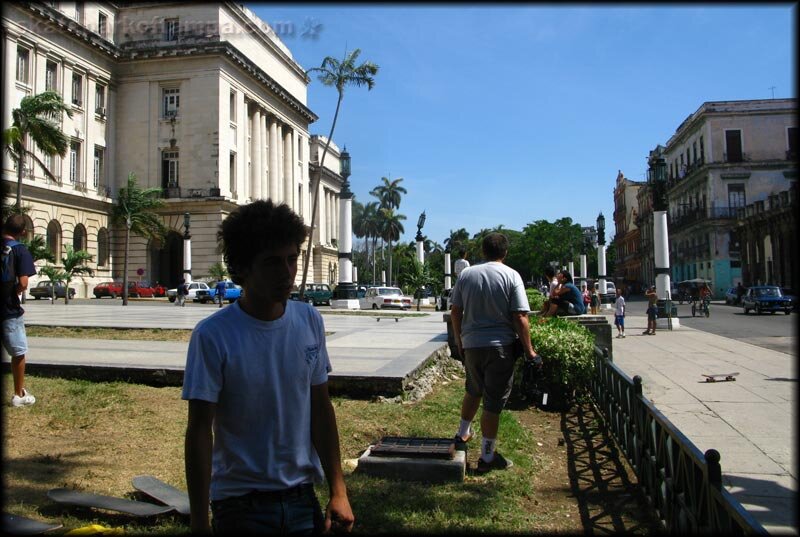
pixel 751 422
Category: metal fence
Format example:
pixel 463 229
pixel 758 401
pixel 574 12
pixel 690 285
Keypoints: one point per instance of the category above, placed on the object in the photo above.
pixel 680 482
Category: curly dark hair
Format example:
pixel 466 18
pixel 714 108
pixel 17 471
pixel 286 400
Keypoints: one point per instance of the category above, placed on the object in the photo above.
pixel 253 228
pixel 495 246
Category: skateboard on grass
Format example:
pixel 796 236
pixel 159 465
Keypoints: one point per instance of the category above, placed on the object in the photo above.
pixel 721 377
pixel 98 501
pixel 20 525
pixel 163 492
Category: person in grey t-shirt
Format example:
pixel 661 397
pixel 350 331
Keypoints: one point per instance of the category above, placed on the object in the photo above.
pixel 490 315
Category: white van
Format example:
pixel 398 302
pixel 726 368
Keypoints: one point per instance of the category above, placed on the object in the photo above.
pixel 610 287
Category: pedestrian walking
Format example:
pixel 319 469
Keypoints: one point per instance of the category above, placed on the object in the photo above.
pixel 619 314
pixel 257 378
pixel 595 300
pixel 220 289
pixel 180 294
pixel 461 263
pixel 17 267
pixel 652 311
pixel 489 315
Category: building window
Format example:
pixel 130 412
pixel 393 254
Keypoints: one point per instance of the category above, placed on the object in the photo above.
pixel 100 99
pixel 791 141
pixel 74 162
pixel 102 247
pixel 79 238
pixel 172 101
pixel 694 151
pixel 97 176
pixel 300 148
pixel 702 150
pixel 169 169
pixel 736 196
pixel 77 89
pixel 102 21
pixel 232 107
pixel 171 29
pixel 23 62
pixel 733 146
pixel 51 77
pixel 79 12
pixel 232 173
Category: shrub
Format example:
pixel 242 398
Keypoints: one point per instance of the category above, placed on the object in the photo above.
pixel 535 299
pixel 567 351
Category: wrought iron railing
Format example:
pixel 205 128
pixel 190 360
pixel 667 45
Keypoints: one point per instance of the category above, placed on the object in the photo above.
pixel 681 483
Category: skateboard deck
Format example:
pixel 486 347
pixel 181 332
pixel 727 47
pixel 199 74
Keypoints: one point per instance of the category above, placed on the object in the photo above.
pixel 97 501
pixel 721 377
pixel 20 525
pixel 396 319
pixel 163 492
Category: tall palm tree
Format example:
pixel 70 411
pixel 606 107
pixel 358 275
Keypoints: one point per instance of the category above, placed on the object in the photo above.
pixel 389 193
pixel 73 263
pixel 37 119
pixel 391 229
pixel 135 209
pixel 458 239
pixel 338 74
pixel 372 229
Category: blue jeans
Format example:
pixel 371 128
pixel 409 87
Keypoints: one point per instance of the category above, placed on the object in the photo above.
pixel 294 511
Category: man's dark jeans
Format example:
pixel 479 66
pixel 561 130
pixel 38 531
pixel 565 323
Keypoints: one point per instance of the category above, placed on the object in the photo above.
pixel 294 511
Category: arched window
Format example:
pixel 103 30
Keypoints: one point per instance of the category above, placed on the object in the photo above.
pixel 79 238
pixel 102 247
pixel 54 239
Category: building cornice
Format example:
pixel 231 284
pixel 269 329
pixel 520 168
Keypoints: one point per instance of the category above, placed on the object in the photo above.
pixel 328 173
pixel 71 27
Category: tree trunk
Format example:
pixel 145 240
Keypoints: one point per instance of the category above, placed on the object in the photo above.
pixel 125 268
pixel 66 292
pixel 389 282
pixel 315 197
pixel 20 163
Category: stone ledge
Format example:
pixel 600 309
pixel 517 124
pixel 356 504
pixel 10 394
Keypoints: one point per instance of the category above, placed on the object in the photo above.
pixel 427 470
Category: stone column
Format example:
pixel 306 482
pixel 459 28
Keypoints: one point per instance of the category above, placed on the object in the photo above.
pixel 255 164
pixel 280 151
pixel 9 78
pixel 447 282
pixel 288 194
pixel 274 178
pixel 187 256
pixel 583 269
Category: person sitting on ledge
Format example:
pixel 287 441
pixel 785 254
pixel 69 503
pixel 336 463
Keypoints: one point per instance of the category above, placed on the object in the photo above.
pixel 566 299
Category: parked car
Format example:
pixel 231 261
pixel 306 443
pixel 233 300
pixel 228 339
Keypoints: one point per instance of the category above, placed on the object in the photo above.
pixel 44 290
pixel 192 293
pixel 766 298
pixel 316 293
pixel 232 293
pixel 611 292
pixel 788 293
pixel 112 289
pixel 384 298
pixel 443 301
pixel 159 290
pixel 140 290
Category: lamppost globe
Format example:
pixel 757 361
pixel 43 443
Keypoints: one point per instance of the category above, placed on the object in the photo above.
pixel 344 160
pixel 601 229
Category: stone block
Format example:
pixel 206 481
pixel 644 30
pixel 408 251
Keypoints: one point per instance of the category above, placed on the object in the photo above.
pixel 427 470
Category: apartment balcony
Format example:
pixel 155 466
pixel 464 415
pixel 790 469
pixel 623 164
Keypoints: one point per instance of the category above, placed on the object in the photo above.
pixel 702 214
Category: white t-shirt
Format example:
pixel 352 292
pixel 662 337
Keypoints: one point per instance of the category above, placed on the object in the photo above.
pixel 619 306
pixel 553 285
pixel 259 374
pixel 460 265
pixel 489 293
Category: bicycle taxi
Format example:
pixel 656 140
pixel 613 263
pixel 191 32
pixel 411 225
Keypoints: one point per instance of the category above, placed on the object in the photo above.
pixel 697 291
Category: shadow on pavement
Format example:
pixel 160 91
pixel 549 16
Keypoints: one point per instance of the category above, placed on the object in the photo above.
pixel 609 502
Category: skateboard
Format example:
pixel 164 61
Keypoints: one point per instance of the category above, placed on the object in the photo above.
pixel 163 492
pixel 721 377
pixel 396 319
pixel 20 525
pixel 97 501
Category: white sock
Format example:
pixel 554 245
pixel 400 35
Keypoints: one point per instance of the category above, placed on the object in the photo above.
pixel 487 449
pixel 464 430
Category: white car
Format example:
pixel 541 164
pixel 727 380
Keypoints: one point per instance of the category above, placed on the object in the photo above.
pixel 192 294
pixel 384 298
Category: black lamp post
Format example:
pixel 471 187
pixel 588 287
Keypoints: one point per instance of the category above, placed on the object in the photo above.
pixel 187 249
pixel 346 289
pixel 601 229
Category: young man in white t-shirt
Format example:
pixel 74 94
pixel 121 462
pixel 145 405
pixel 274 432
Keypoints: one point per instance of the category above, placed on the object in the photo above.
pixel 461 263
pixel 619 314
pixel 257 378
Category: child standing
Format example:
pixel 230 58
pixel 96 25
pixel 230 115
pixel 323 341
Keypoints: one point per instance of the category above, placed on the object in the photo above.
pixel 619 314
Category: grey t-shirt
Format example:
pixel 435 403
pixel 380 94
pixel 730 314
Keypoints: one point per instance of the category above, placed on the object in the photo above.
pixel 489 294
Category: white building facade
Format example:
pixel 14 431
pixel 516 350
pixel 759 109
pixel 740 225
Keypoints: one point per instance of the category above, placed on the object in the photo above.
pixel 201 100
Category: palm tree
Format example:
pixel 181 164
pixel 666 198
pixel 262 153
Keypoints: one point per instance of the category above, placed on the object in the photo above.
pixel 389 193
pixel 366 224
pixel 37 119
pixel 135 209
pixel 38 249
pixel 55 275
pixel 458 239
pixel 418 277
pixel 218 271
pixel 73 263
pixel 391 229
pixel 332 72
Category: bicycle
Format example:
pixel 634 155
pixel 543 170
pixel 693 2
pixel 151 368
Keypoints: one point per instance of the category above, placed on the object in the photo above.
pixel 703 308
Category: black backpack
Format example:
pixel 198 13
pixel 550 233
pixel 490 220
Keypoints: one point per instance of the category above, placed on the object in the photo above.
pixel 9 269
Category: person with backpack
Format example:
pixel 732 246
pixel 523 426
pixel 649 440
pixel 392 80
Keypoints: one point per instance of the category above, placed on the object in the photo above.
pixel 180 294
pixel 17 267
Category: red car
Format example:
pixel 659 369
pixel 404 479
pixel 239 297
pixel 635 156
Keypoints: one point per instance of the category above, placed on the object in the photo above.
pixel 112 289
pixel 159 290
pixel 140 289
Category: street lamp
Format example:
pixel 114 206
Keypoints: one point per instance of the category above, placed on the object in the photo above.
pixel 346 295
pixel 187 249
pixel 658 184
pixel 601 254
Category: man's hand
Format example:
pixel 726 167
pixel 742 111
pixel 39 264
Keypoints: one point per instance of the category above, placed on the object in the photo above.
pixel 536 359
pixel 339 516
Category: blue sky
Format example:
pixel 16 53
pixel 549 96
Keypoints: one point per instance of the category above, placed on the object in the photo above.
pixel 512 114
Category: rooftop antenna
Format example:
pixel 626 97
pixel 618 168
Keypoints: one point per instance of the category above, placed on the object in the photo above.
pixel 773 91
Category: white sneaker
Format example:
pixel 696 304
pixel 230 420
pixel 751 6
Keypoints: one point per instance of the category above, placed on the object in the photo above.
pixel 26 399
pixel 623 335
